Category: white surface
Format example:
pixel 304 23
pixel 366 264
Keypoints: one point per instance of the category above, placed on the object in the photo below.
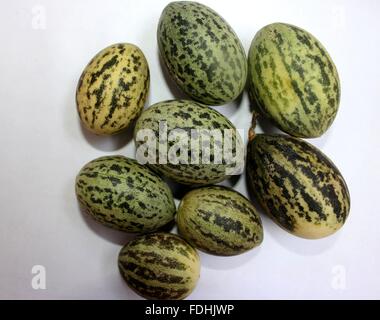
pixel 44 146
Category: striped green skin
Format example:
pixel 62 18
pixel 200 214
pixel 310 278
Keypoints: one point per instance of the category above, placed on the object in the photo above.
pixel 160 266
pixel 297 185
pixel 113 88
pixel 202 53
pixel 294 80
pixel 219 221
pixel 124 195
pixel 187 115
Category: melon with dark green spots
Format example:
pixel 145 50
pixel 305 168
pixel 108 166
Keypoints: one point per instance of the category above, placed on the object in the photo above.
pixel 297 185
pixel 202 53
pixel 160 266
pixel 113 88
pixel 124 195
pixel 220 221
pixel 293 80
pixel 212 148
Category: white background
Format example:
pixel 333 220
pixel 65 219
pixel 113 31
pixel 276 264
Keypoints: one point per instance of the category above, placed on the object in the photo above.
pixel 44 146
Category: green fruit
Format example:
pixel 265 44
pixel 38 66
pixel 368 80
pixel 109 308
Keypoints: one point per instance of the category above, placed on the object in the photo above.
pixel 294 80
pixel 160 266
pixel 219 221
pixel 113 88
pixel 297 185
pixel 124 195
pixel 202 53
pixel 187 116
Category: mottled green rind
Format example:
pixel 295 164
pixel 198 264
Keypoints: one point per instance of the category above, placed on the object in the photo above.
pixel 124 195
pixel 219 221
pixel 202 53
pixel 160 266
pixel 297 185
pixel 187 115
pixel 112 89
pixel 293 80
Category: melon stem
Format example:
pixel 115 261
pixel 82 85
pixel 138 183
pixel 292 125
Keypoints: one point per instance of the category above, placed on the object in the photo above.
pixel 251 133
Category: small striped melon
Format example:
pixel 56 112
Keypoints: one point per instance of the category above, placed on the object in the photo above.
pixel 124 195
pixel 297 185
pixel 219 220
pixel 113 88
pixel 160 266
pixel 293 80
pixel 202 53
pixel 188 116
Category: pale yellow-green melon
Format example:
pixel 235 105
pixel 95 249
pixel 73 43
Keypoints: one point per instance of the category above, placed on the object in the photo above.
pixel 113 88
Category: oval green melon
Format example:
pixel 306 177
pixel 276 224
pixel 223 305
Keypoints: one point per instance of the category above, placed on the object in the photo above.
pixel 183 116
pixel 202 53
pixel 297 185
pixel 124 195
pixel 160 266
pixel 293 80
pixel 220 221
